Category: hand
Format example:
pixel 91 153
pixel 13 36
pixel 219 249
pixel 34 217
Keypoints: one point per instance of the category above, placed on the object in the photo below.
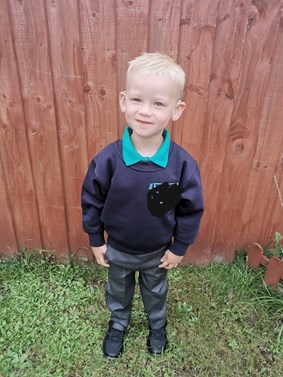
pixel 99 254
pixel 170 260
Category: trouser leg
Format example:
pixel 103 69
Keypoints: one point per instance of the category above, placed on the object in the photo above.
pixel 154 287
pixel 120 290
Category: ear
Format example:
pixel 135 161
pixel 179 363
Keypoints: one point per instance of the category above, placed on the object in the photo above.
pixel 180 107
pixel 122 100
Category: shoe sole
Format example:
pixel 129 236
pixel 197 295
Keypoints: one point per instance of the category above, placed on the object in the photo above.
pixel 151 351
pixel 113 357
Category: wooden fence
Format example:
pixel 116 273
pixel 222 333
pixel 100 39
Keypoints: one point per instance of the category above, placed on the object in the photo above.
pixel 62 64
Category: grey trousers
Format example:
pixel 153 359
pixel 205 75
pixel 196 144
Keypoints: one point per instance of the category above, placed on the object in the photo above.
pixel 121 286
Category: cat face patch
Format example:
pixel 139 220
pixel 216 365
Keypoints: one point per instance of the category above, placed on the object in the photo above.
pixel 163 198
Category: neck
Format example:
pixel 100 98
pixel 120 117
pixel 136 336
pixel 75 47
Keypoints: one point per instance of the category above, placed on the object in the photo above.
pixel 147 147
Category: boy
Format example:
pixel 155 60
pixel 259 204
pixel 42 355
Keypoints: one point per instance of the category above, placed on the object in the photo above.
pixel 145 192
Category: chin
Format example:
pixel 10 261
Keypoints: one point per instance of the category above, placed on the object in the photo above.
pixel 143 132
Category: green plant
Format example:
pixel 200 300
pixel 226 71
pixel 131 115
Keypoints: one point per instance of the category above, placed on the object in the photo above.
pixel 220 318
pixel 277 249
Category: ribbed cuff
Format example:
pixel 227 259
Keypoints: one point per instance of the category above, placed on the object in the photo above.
pixel 96 239
pixel 178 248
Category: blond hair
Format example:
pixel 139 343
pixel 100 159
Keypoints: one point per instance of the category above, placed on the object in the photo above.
pixel 159 64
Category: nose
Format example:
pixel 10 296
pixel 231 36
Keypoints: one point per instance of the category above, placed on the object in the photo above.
pixel 145 109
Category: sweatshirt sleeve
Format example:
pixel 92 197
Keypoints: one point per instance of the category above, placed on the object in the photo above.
pixel 189 211
pixel 93 195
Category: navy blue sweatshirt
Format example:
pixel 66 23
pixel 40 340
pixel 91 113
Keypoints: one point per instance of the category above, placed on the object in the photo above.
pixel 142 207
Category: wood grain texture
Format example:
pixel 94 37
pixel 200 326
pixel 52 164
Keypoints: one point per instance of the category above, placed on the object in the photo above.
pixel 261 37
pixel 163 27
pixel 32 53
pixel 8 238
pixel 14 147
pixel 67 74
pixel 200 129
pixel 99 73
pixel 230 34
pixel 197 33
pixel 62 66
pixel 262 218
pixel 131 39
pixel 163 30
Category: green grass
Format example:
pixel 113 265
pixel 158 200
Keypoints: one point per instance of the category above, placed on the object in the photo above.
pixel 222 321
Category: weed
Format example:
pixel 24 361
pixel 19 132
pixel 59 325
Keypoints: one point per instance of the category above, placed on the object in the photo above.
pixel 277 249
pixel 221 318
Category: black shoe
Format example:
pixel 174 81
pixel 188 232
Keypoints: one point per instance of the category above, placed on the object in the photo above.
pixel 157 341
pixel 113 344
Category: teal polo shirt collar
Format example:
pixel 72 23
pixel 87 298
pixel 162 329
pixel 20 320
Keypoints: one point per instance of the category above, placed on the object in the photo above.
pixel 131 156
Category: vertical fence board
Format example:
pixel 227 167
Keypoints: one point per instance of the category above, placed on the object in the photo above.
pixel 8 238
pixel 32 52
pixel 184 54
pixel 131 39
pixel 63 23
pixel 99 71
pixel 14 147
pixel 99 76
pixel 243 136
pixel 198 23
pixel 163 28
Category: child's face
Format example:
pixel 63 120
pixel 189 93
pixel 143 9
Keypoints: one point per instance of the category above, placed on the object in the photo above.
pixel 149 103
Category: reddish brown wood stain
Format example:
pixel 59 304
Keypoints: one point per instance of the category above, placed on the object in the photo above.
pixel 274 266
pixel 63 64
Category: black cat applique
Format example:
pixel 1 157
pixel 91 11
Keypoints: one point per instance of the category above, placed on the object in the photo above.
pixel 163 198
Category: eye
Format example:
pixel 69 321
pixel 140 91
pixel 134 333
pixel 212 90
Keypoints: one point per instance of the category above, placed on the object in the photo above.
pixel 158 104
pixel 136 100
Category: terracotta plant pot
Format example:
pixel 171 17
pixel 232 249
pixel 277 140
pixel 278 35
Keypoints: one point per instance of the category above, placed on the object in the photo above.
pixel 274 266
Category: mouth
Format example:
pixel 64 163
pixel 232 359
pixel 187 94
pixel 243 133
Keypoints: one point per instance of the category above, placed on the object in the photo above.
pixel 143 121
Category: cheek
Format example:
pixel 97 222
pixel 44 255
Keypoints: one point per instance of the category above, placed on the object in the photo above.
pixel 129 112
pixel 165 117
pixel 129 108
